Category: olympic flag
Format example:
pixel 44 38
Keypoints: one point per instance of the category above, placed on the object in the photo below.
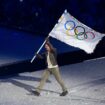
pixel 72 32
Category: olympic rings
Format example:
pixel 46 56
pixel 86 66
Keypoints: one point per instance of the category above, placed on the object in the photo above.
pixel 78 31
pixel 81 36
pixel 77 28
pixel 70 32
pixel 68 25
pixel 90 35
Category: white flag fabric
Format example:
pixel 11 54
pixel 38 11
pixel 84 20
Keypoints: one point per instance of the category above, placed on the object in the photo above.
pixel 72 32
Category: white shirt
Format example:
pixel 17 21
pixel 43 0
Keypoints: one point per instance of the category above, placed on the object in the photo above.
pixel 49 62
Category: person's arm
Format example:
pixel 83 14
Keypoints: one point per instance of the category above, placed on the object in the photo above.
pixel 40 56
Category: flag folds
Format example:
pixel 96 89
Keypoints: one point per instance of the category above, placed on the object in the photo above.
pixel 72 32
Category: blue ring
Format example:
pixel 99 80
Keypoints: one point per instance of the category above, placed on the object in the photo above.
pixel 67 23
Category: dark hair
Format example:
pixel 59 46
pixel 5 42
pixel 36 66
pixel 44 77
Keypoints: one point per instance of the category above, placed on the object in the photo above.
pixel 50 45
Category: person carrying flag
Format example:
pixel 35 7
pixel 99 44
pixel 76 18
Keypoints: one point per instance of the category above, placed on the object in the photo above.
pixel 52 68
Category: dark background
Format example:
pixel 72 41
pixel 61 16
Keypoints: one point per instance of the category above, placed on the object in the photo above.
pixel 39 16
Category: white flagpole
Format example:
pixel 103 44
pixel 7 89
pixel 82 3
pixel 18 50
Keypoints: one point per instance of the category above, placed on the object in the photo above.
pixel 39 49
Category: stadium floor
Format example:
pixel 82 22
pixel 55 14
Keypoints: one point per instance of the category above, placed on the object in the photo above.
pixel 85 82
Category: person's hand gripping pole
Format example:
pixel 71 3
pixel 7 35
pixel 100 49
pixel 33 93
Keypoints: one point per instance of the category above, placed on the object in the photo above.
pixel 39 49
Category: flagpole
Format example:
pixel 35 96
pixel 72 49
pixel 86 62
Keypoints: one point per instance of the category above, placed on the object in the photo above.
pixel 39 49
